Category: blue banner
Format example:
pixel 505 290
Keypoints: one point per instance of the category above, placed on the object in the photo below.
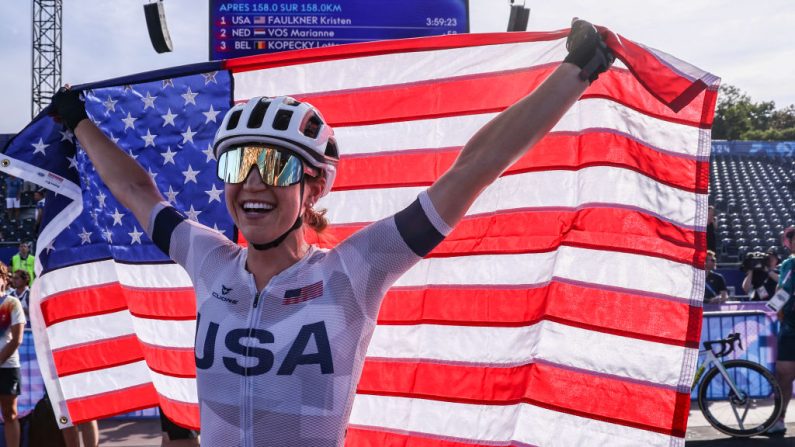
pixel 780 148
pixel 247 27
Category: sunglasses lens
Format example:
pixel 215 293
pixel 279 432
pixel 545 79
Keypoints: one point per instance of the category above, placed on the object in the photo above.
pixel 276 167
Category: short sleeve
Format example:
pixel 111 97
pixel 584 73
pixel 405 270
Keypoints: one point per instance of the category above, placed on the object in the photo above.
pixel 17 313
pixel 784 280
pixel 185 241
pixel 377 255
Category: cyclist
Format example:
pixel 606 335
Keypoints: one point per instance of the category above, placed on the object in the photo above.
pixel 785 359
pixel 282 327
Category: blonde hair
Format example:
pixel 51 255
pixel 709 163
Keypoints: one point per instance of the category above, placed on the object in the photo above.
pixel 4 277
pixel 316 220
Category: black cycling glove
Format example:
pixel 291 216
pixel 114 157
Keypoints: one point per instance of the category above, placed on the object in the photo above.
pixel 69 108
pixel 588 51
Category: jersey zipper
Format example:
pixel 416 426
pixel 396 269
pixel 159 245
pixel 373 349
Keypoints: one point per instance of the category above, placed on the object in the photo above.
pixel 247 389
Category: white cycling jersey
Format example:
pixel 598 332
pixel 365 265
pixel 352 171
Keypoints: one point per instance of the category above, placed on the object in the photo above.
pixel 280 366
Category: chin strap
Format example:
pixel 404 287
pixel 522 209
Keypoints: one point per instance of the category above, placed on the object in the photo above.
pixel 299 221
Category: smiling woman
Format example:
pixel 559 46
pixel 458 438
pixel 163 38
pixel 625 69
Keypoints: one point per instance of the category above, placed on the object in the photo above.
pixel 283 326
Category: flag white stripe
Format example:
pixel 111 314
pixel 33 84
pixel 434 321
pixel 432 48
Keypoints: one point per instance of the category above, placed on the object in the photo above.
pixel 105 380
pixel 498 424
pixel 598 352
pixel 386 69
pixel 176 388
pixel 592 113
pixel 90 329
pixel 605 185
pixel 169 333
pixel 105 272
pixel 599 268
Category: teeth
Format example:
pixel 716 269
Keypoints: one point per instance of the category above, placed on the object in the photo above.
pixel 257 206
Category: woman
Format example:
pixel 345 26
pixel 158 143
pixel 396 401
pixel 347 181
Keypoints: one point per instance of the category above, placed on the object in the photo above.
pixel 12 326
pixel 282 327
pixel 785 357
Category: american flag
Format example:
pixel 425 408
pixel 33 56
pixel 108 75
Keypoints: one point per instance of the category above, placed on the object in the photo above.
pixel 307 293
pixel 565 309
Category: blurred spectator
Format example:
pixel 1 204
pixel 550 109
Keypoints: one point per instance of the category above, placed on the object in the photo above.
pixel 761 275
pixel 13 193
pixel 38 197
pixel 711 229
pixel 5 278
pixel 20 289
pixel 88 430
pixel 24 261
pixel 12 326
pixel 715 290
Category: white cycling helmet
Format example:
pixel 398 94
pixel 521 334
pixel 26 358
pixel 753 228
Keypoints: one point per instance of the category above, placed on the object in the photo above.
pixel 285 122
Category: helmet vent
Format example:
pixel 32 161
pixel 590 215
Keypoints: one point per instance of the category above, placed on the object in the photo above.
pixel 234 119
pixel 255 119
pixel 312 127
pixel 282 120
pixel 331 149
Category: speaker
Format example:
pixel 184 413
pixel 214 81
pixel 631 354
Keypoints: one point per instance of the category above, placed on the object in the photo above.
pixel 518 19
pixel 156 24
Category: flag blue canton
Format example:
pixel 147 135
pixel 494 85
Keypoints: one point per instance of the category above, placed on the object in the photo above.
pixel 168 127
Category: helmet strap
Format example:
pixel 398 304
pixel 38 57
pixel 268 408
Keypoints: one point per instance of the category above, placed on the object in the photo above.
pixel 298 223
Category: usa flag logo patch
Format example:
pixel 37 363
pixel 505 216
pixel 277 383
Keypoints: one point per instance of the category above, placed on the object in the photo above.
pixel 305 293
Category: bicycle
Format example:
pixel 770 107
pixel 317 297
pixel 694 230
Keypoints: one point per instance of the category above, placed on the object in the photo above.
pixel 738 397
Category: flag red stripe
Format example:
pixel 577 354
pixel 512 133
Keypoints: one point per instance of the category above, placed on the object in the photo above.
pixel 175 362
pixel 97 355
pixel 462 95
pixel 556 151
pixel 159 303
pixel 600 310
pixel 376 437
pixel 349 51
pixel 100 406
pixel 560 389
pixel 181 413
pixel 616 229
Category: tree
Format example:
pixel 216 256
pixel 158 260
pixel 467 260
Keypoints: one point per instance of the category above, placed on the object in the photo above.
pixel 737 117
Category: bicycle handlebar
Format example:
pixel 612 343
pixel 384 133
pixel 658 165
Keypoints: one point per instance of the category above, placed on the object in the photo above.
pixel 726 345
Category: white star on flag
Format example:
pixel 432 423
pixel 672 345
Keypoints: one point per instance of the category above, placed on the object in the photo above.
pixel 167 82
pixel 135 235
pixel 113 138
pixel 190 175
pixel 188 136
pixel 193 214
pixel 210 114
pixel 129 122
pixel 171 195
pixel 40 146
pixel 152 174
pixel 67 135
pixel 108 235
pixel 50 247
pixel 135 157
pixel 72 162
pixel 117 217
pixel 209 153
pixel 210 77
pixel 214 193
pixel 101 198
pixel 85 237
pixel 149 101
pixel 168 156
pixel 149 139
pixel 168 118
pixel 215 227
pixel 110 105
pixel 189 97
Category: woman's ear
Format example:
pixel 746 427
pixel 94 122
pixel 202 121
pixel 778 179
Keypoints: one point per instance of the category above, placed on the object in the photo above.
pixel 314 187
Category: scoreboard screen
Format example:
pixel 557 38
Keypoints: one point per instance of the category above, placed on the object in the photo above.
pixel 246 27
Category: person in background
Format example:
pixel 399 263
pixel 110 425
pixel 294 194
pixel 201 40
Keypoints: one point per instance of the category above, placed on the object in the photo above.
pixel 176 436
pixel 5 278
pixel 785 359
pixel 38 197
pixel 89 432
pixel 12 327
pixel 13 193
pixel 24 261
pixel 711 246
pixel 715 290
pixel 20 290
pixel 761 275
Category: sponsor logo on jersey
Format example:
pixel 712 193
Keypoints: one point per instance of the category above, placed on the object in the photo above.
pixel 245 344
pixel 222 296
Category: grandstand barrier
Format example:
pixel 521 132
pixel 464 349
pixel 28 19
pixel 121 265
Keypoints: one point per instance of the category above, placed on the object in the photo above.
pixel 757 326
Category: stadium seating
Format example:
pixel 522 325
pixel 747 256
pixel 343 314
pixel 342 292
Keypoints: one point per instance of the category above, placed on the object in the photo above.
pixel 752 195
